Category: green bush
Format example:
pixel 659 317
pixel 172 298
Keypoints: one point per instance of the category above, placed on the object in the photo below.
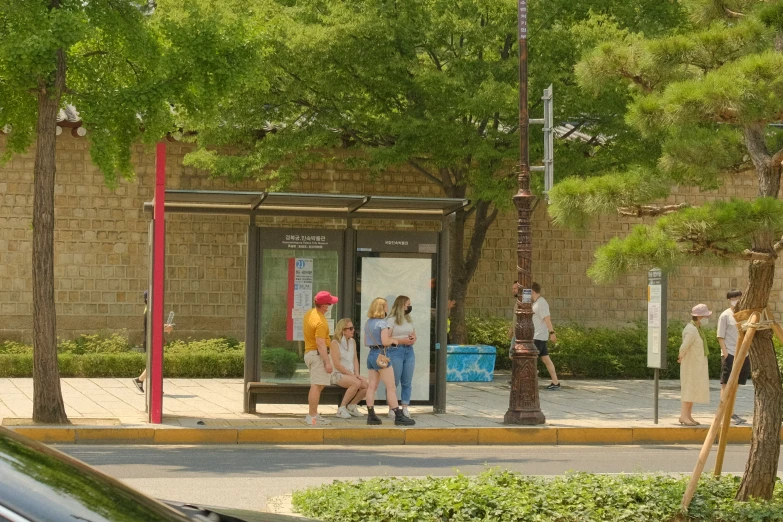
pixel 597 353
pixel 95 343
pixel 279 360
pixel 199 365
pixel 204 365
pixel 16 365
pixel 98 355
pixel 513 497
pixel 14 347
pixel 219 345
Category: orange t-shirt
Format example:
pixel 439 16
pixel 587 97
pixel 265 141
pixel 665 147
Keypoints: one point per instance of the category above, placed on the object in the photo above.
pixel 315 326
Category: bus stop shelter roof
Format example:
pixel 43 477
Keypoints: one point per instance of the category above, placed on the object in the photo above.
pixel 308 205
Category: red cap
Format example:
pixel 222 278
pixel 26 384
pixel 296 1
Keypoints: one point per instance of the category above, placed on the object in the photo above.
pixel 323 297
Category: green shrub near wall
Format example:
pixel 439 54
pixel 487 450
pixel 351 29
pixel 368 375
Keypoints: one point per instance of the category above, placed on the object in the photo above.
pixel 586 353
pixel 97 355
pixel 596 353
pixel 193 366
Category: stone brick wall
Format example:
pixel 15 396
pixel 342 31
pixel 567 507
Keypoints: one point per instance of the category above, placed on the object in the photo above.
pixel 101 252
pixel 561 258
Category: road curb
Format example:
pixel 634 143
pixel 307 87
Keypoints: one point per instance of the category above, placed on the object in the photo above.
pixel 457 436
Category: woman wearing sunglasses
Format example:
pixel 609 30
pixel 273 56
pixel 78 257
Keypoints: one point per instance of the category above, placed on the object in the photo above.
pixel 346 369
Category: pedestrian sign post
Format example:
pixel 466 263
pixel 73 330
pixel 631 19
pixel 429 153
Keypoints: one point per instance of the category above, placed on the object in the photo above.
pixel 656 326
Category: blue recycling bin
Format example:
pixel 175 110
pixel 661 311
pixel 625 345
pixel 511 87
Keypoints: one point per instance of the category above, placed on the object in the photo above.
pixel 470 363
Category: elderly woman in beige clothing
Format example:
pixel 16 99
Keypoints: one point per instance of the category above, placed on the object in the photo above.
pixel 694 372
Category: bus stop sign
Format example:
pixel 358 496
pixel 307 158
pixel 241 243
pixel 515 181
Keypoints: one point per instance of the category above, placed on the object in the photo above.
pixel 656 319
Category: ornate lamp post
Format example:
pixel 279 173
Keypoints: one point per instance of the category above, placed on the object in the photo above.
pixel 524 406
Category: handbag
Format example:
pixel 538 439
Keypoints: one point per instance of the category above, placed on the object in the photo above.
pixel 382 361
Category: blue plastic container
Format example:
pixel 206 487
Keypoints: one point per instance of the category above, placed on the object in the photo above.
pixel 470 363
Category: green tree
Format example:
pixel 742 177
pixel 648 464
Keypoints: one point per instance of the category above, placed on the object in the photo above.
pixel 707 93
pixel 431 84
pixel 129 66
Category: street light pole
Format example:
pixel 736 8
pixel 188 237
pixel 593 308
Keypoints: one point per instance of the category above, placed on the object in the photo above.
pixel 524 406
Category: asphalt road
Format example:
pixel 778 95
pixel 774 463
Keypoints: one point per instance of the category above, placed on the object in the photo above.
pixel 247 476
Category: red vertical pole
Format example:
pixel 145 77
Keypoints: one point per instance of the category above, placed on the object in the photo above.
pixel 158 274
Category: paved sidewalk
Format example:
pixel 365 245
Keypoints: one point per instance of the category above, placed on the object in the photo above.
pixel 217 403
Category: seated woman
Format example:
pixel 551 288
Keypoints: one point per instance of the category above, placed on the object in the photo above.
pixel 346 369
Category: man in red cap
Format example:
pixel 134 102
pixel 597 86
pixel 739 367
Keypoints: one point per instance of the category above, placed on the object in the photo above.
pixel 316 357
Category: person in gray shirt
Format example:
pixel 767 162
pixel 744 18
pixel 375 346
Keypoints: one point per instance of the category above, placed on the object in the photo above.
pixel 727 338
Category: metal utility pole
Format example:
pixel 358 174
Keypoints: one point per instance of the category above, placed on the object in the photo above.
pixel 524 406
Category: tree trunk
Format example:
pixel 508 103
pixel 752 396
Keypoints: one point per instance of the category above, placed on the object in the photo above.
pixel 761 468
pixel 48 406
pixel 463 263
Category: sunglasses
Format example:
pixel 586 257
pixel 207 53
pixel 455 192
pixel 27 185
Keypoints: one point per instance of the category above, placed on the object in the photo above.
pixel 348 328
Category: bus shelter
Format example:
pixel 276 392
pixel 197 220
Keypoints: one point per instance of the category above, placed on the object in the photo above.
pixel 287 266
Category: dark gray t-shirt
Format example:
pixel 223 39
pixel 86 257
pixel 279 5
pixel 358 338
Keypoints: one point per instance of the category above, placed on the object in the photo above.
pixel 372 332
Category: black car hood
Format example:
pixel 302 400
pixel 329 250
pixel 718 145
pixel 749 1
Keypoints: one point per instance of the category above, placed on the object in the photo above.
pixel 46 485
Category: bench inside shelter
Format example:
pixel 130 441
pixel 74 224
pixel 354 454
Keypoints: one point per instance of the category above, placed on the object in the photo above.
pixel 287 393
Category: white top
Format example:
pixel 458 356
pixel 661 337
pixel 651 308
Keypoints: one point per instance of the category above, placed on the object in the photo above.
pixel 727 329
pixel 400 330
pixel 347 352
pixel 540 311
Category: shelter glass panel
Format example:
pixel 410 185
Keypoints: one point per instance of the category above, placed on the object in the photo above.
pixel 295 265
pixel 401 263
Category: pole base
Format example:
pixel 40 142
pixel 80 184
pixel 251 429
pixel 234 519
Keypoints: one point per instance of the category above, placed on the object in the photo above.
pixel 526 418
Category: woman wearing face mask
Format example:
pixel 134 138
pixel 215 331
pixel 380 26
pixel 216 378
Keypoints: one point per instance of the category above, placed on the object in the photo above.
pixel 402 357
pixel 694 372
pixel 377 337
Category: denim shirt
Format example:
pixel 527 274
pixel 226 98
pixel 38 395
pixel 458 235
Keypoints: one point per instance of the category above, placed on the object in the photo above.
pixel 372 332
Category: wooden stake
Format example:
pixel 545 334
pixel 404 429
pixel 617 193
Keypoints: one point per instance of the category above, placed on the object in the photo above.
pixel 724 429
pixel 731 400
pixel 731 388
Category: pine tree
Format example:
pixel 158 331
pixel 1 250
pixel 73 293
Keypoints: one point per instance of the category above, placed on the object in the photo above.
pixel 708 94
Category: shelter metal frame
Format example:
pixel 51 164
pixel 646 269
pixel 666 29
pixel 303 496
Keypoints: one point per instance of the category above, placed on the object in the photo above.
pixel 329 206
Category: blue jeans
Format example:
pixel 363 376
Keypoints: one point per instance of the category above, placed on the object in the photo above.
pixel 403 360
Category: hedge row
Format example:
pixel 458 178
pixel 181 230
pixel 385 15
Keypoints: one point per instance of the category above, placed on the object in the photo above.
pixel 196 365
pixel 599 353
pixel 112 355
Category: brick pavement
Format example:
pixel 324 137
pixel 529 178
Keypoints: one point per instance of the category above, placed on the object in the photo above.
pixel 218 403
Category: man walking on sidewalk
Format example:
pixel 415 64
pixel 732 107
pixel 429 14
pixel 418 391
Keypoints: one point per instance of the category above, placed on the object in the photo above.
pixel 316 357
pixel 727 338
pixel 544 331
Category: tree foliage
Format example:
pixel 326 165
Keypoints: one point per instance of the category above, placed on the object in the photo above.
pixel 432 85
pixel 133 71
pixel 707 92
pixel 698 92
pixel 133 68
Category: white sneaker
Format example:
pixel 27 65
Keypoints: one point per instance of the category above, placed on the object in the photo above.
pixel 316 421
pixel 343 413
pixel 354 410
pixel 406 412
pixel 391 413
